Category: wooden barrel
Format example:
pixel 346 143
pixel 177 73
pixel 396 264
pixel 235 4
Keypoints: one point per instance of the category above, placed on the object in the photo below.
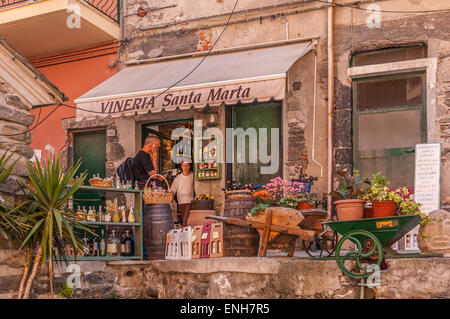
pixel 157 222
pixel 197 217
pixel 239 241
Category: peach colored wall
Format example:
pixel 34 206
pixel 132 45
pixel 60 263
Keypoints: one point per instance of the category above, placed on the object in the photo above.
pixel 74 74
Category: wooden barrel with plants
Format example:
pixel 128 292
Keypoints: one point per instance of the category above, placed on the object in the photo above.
pixel 157 222
pixel 239 241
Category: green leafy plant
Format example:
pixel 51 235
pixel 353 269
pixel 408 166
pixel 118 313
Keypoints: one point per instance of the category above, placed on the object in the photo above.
pixel 288 201
pixel 377 184
pixel 351 187
pixel 262 202
pixel 306 197
pixel 66 291
pixel 47 191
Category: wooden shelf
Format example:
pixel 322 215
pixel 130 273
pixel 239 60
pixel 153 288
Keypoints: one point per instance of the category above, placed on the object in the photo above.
pixel 107 258
pixel 138 226
pixel 111 189
pixel 108 223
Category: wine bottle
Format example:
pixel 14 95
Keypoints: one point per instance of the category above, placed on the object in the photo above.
pixel 86 245
pixel 113 245
pixel 128 245
pixel 102 245
pixel 94 244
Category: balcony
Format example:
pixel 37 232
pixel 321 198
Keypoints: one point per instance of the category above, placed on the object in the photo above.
pixel 42 27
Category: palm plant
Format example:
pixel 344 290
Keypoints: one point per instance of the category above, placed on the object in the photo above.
pixel 47 191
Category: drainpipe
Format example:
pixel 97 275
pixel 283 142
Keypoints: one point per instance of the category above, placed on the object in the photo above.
pixel 330 102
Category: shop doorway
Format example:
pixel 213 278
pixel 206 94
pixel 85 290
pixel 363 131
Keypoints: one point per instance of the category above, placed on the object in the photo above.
pixel 164 130
pixel 258 116
pixel 93 161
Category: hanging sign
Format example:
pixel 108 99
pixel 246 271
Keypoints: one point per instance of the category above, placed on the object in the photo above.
pixel 427 176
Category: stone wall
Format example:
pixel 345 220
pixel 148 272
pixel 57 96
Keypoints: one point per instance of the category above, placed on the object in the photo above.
pixel 233 277
pixel 14 119
pixel 395 31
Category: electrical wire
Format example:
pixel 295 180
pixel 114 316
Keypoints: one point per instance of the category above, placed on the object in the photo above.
pixel 355 6
pixel 37 124
pixel 180 80
pixel 171 86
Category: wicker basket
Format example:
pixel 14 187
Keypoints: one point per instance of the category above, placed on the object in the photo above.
pixel 100 183
pixel 238 194
pixel 151 197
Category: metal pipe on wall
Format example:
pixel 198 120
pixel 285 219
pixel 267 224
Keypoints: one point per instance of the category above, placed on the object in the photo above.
pixel 330 103
pixel 313 155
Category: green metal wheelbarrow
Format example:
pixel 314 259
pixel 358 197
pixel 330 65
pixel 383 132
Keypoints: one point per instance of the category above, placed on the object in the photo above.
pixel 371 236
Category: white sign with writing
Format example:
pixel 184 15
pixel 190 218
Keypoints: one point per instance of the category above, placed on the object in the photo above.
pixel 427 176
pixel 199 97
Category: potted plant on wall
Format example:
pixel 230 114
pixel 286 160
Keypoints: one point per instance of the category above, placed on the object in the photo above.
pixel 377 182
pixel 349 205
pixel 305 201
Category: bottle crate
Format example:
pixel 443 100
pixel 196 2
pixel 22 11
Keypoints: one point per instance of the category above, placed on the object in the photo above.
pixel 216 241
pixel 205 240
pixel 195 241
pixel 185 243
pixel 173 244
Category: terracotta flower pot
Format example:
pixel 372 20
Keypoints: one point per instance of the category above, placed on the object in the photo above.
pixel 349 209
pixel 368 212
pixel 384 209
pixel 304 205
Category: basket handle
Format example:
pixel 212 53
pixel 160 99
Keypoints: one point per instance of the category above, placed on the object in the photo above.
pixel 167 183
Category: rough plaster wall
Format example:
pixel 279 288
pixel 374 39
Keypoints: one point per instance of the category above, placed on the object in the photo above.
pixel 14 118
pixel 144 44
pixel 299 130
pixel 431 29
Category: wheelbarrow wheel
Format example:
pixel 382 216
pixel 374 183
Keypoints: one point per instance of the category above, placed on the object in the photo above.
pixel 327 240
pixel 368 248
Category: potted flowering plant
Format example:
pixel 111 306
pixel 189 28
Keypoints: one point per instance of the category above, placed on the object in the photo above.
pixel 262 202
pixel 279 188
pixel 305 201
pixel 350 205
pixel 278 192
pixel 384 201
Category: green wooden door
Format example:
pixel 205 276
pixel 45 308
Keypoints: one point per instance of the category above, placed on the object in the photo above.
pixel 389 119
pixel 91 148
pixel 256 116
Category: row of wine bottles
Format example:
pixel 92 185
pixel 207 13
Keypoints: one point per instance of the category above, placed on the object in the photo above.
pixel 233 185
pixel 111 246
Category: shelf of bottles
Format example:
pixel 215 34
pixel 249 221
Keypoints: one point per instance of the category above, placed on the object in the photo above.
pixel 208 150
pixel 115 230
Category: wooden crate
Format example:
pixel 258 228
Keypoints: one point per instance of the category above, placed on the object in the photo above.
pixel 205 240
pixel 216 242
pixel 195 241
pixel 185 243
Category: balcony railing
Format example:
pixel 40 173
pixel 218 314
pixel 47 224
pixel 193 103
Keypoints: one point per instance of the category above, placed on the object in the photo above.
pixel 10 3
pixel 110 8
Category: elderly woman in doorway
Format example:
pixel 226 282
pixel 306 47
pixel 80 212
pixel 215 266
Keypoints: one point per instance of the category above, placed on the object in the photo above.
pixel 183 187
